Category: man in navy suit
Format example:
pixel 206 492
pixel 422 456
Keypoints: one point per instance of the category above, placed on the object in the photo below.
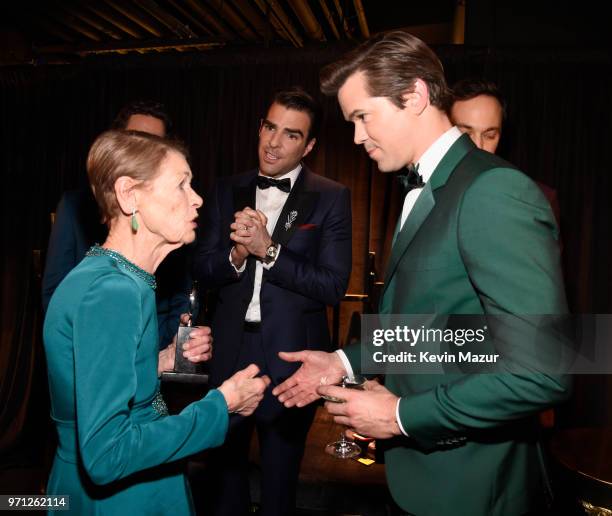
pixel 276 246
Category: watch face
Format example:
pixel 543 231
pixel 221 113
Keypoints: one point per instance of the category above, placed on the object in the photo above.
pixel 271 251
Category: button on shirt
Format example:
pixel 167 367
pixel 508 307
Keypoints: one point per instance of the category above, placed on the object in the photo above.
pixel 427 164
pixel 271 202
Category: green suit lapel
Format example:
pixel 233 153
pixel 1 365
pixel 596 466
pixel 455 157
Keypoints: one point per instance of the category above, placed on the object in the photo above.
pixel 419 213
pixel 425 203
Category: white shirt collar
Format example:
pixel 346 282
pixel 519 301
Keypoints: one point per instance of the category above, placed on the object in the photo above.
pixel 436 151
pixel 292 174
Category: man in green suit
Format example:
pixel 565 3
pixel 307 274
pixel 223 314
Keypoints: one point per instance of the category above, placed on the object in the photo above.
pixel 476 236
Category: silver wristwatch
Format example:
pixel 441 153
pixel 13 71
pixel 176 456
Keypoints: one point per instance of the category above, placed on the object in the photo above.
pixel 271 253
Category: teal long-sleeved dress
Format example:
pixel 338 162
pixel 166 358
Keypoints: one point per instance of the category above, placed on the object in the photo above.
pixel 118 449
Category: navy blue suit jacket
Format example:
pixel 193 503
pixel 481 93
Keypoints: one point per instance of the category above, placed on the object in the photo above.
pixel 76 228
pixel 311 271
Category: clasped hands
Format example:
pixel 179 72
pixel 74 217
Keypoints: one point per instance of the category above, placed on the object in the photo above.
pixel 249 235
pixel 197 349
pixel 370 412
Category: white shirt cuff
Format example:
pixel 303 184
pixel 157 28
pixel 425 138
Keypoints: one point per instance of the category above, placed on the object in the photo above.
pixel 397 417
pixel 238 270
pixel 345 362
pixel 268 266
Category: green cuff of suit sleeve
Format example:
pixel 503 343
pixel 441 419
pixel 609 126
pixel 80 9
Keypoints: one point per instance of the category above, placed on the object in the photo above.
pixel 416 420
pixel 353 353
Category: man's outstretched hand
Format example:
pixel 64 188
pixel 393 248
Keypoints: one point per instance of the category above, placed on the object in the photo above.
pixel 318 368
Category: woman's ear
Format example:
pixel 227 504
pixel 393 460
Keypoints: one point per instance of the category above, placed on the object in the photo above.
pixel 126 194
pixel 417 99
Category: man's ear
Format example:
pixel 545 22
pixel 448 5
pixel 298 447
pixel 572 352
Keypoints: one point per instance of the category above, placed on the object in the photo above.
pixel 126 194
pixel 309 146
pixel 417 99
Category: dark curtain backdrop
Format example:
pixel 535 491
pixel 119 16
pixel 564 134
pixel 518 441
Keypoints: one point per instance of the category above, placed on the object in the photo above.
pixel 558 131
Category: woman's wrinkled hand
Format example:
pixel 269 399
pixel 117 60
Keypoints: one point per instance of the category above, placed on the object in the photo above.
pixel 198 347
pixel 244 390
pixel 166 358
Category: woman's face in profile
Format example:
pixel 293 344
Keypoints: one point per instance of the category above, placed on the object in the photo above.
pixel 167 204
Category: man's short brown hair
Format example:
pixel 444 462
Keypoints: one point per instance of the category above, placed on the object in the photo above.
pixel 298 100
pixel 392 62
pixel 472 87
pixel 124 153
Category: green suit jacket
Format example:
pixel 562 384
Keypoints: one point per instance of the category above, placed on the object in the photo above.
pixel 481 239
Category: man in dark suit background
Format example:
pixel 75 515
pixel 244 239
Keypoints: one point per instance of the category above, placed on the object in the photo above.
pixel 276 246
pixel 78 226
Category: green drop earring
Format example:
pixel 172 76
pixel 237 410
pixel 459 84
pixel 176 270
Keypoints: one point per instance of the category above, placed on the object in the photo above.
pixel 134 221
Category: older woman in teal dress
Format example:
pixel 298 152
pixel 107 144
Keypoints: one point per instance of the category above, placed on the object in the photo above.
pixel 118 447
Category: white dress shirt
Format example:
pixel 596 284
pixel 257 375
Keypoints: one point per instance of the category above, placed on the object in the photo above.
pixel 271 202
pixel 427 164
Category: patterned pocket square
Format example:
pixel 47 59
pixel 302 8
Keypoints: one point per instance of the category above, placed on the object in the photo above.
pixel 306 227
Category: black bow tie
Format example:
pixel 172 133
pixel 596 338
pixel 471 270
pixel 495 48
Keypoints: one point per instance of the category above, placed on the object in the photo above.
pixel 411 178
pixel 284 185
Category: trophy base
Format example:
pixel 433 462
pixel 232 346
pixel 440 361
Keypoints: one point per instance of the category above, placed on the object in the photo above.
pixel 171 376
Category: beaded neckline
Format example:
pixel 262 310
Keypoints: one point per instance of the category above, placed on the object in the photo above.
pixel 148 278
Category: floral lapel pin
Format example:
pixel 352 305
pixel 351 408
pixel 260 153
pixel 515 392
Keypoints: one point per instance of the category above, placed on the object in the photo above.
pixel 290 219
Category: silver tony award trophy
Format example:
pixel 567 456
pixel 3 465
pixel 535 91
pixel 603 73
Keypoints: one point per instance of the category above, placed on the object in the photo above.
pixel 186 371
